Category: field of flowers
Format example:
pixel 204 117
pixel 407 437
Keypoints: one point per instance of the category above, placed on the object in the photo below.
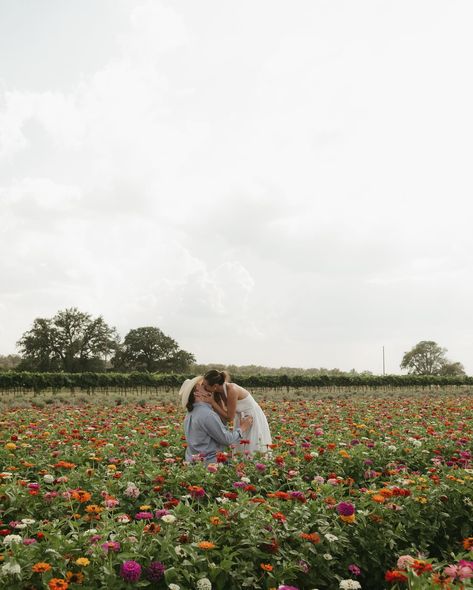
pixel 358 491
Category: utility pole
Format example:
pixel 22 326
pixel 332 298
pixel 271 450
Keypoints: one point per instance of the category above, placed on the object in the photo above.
pixel 384 366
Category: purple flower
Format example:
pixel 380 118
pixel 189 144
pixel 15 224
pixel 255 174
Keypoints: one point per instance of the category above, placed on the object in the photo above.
pixel 296 495
pixel 354 569
pixel 130 571
pixel 155 571
pixel 285 587
pixel 239 484
pixel 345 509
pixel 160 513
pixel 260 466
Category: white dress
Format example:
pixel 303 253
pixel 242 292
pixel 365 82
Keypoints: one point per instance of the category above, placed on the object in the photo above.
pixel 259 434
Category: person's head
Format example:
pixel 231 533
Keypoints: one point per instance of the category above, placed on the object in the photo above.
pixel 187 393
pixel 214 380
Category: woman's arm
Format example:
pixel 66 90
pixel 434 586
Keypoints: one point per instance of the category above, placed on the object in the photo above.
pixel 228 412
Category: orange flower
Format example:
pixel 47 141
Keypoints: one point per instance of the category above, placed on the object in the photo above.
pixel 81 496
pixel 215 520
pixel 75 577
pixel 58 584
pixel 386 492
pixel 279 516
pixel 267 567
pixel 41 567
pixel 350 518
pixel 206 545
pixel 378 498
pixel 312 537
pixel 468 543
pixel 94 509
pixel 64 465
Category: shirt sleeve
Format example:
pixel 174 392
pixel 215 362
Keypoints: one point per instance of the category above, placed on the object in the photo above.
pixel 216 430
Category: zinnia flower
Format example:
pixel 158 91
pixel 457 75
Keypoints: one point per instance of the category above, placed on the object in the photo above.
pixel 155 571
pixel 130 571
pixel 345 509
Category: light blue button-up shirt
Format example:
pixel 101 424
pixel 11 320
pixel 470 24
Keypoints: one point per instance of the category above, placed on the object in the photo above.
pixel 205 433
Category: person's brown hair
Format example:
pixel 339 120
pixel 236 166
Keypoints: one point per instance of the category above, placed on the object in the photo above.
pixel 191 399
pixel 214 377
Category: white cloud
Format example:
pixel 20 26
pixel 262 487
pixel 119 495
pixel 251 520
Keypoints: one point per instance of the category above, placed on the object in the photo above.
pixel 287 189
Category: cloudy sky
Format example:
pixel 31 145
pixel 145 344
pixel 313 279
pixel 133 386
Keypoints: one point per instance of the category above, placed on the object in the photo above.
pixel 271 182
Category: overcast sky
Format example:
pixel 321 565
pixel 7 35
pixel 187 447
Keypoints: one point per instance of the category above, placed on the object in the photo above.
pixel 269 182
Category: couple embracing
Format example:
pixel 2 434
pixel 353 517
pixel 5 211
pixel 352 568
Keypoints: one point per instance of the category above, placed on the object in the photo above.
pixel 212 401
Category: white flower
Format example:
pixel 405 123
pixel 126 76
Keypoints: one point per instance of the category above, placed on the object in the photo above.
pixel 48 478
pixel 328 557
pixel 174 587
pixel 350 585
pixel 246 480
pixel 28 520
pixel 204 584
pixel 179 550
pixel 6 475
pixel 11 539
pixel 11 567
pixel 169 518
pixel 331 538
pixel 20 526
pixel 132 491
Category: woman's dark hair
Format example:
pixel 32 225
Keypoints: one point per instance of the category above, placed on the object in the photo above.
pixel 191 400
pixel 214 377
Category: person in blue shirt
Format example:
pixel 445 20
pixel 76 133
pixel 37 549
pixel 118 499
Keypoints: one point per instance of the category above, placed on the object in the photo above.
pixel 206 435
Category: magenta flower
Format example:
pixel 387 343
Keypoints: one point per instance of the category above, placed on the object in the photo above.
pixel 354 569
pixel 144 515
pixel 345 509
pixel 130 571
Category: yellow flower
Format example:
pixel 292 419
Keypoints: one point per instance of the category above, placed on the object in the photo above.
pixel 83 561
pixel 145 507
pixel 10 446
pixel 421 499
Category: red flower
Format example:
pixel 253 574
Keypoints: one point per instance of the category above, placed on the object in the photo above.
pixel 395 576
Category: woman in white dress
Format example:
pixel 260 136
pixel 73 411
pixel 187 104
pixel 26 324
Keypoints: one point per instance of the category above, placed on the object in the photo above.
pixel 233 402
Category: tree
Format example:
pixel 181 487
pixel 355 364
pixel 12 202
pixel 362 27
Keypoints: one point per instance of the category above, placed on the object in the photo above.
pixel 452 369
pixel 149 349
pixel 9 362
pixel 70 341
pixel 428 358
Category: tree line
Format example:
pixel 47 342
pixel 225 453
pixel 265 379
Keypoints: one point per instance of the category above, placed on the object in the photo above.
pixel 75 342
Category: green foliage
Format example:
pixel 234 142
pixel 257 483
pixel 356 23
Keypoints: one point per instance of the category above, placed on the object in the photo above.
pixel 428 358
pixel 149 349
pixel 38 381
pixel 70 341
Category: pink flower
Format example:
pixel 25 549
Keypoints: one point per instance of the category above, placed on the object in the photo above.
pixel 404 561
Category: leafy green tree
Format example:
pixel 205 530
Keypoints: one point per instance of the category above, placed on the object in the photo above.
pixel 428 358
pixel 70 341
pixel 149 349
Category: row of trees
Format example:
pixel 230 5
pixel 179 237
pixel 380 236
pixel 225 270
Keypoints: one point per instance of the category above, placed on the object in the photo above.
pixel 74 341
